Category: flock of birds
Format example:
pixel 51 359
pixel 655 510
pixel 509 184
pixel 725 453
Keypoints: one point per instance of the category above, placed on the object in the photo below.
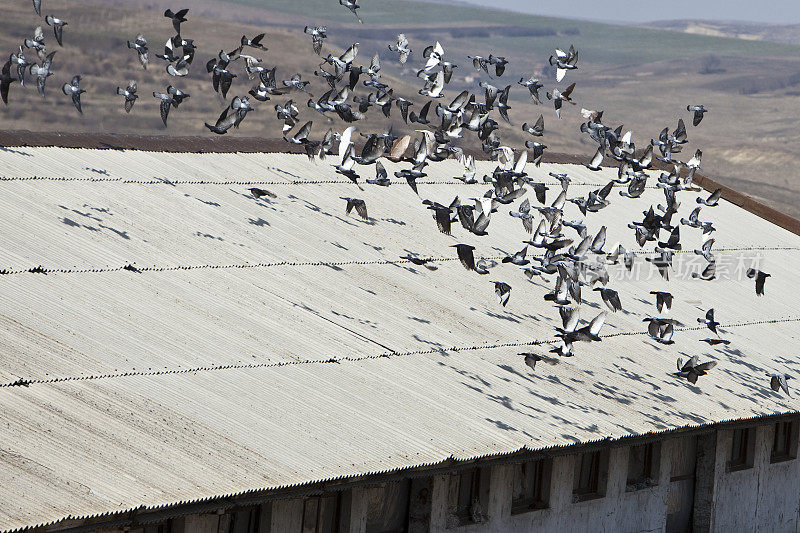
pixel 576 261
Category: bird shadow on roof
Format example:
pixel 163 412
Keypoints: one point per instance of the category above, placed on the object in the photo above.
pixel 102 172
pixel 13 151
pixel 501 425
pixel 504 316
pixel 98 225
pixel 393 221
pixel 258 222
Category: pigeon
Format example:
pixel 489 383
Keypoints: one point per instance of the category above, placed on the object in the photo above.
pixel 693 368
pixel 533 85
pixel 73 89
pixel 58 27
pixel 531 359
pixel 610 298
pixel 499 64
pixel 259 193
pixel 21 63
pixel 225 121
pixel 352 5
pixel 401 48
pixel 297 83
pixel 699 111
pixel 760 278
pixel 661 331
pixel 42 72
pixel 712 200
pixel 502 103
pixel 597 160
pixel 358 204
pixel 255 42
pixel 5 81
pixel 317 33
pixel 537 130
pixel 518 258
pixel 381 177
pixel 37 6
pixel 663 299
pixel 140 45
pixel 778 382
pixel 709 321
pixel 591 332
pixel 177 18
pixel 465 255
pixel 166 101
pixel 705 250
pixel 564 62
pixel 37 43
pixel 420 261
pixel 503 291
pixel 558 97
pixel 177 95
pixel 708 273
pixel 422 118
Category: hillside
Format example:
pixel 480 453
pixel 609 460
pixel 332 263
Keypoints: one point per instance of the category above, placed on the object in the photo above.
pixel 641 77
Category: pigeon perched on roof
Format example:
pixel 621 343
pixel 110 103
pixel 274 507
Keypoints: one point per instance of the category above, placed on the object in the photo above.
pixel 58 27
pixel 73 89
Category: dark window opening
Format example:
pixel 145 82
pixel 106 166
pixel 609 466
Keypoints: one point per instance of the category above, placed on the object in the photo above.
pixel 643 466
pixel 684 458
pixel 591 474
pixel 784 443
pixel 322 514
pixel 388 507
pixel 742 449
pixel 531 486
pixel 468 496
pixel 165 527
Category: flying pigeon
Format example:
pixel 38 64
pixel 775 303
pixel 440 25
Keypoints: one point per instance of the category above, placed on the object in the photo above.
pixel 760 278
pixel 58 27
pixel 73 89
pixel 130 95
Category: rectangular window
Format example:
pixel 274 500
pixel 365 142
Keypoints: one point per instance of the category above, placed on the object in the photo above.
pixel 531 485
pixel 784 443
pixel 388 507
pixel 322 514
pixel 468 496
pixel 643 466
pixel 742 449
pixel 591 473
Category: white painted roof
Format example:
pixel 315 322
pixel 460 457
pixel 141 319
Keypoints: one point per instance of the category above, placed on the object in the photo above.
pixel 209 373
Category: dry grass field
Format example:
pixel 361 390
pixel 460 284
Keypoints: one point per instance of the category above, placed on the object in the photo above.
pixel 643 78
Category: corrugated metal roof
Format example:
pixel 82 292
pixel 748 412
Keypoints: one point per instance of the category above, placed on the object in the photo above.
pixel 177 384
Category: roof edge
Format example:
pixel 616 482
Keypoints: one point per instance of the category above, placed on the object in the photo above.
pixel 260 495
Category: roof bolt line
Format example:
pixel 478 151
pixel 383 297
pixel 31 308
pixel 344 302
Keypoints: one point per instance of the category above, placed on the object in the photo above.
pixel 233 366
pixel 138 269
pixel 156 181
